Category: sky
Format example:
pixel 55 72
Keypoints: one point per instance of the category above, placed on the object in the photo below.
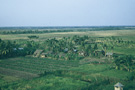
pixel 67 12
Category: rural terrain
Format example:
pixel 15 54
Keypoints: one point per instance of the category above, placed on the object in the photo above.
pixel 67 58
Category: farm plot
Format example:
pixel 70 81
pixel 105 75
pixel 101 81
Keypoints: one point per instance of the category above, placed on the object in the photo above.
pixel 18 74
pixel 33 65
pixel 66 73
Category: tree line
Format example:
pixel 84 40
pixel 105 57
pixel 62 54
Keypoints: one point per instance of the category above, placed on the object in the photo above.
pixel 29 30
pixel 12 49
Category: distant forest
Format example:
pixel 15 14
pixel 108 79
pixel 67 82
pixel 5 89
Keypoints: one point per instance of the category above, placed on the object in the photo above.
pixel 28 30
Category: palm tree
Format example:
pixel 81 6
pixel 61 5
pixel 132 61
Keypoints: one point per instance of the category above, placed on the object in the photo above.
pixel 105 47
pixel 124 62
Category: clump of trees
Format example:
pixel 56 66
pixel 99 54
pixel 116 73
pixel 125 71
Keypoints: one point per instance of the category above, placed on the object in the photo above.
pixel 6 48
pixel 72 48
pixel 12 49
pixel 125 62
pixel 33 37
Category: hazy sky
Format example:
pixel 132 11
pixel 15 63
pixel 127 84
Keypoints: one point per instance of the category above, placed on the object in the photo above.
pixel 67 12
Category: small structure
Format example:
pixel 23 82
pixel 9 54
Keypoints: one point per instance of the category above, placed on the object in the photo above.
pixel 75 50
pixel 81 53
pixel 109 54
pixel 14 49
pixel 118 86
pixel 37 53
pixel 43 55
pixel 66 50
pixel 20 48
pixel 90 42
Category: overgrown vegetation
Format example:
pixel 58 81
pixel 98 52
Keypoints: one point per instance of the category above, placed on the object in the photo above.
pixel 12 49
pixel 67 62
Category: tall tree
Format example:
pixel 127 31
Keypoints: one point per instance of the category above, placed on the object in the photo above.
pixel 124 62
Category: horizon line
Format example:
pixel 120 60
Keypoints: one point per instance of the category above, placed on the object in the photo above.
pixel 74 26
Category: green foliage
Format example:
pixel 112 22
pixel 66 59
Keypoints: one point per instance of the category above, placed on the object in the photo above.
pixel 125 63
pixel 33 37
pixel 35 30
pixel 48 83
pixel 60 74
pixel 63 68
pixel 6 48
pixel 36 65
pixel 12 49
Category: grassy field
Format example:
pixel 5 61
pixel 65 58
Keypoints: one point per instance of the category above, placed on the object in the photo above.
pixel 73 75
pixel 125 34
pixel 49 83
pixel 36 65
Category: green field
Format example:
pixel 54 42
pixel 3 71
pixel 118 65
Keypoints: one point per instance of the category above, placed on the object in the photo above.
pixel 73 76
pixel 125 34
pixel 89 73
